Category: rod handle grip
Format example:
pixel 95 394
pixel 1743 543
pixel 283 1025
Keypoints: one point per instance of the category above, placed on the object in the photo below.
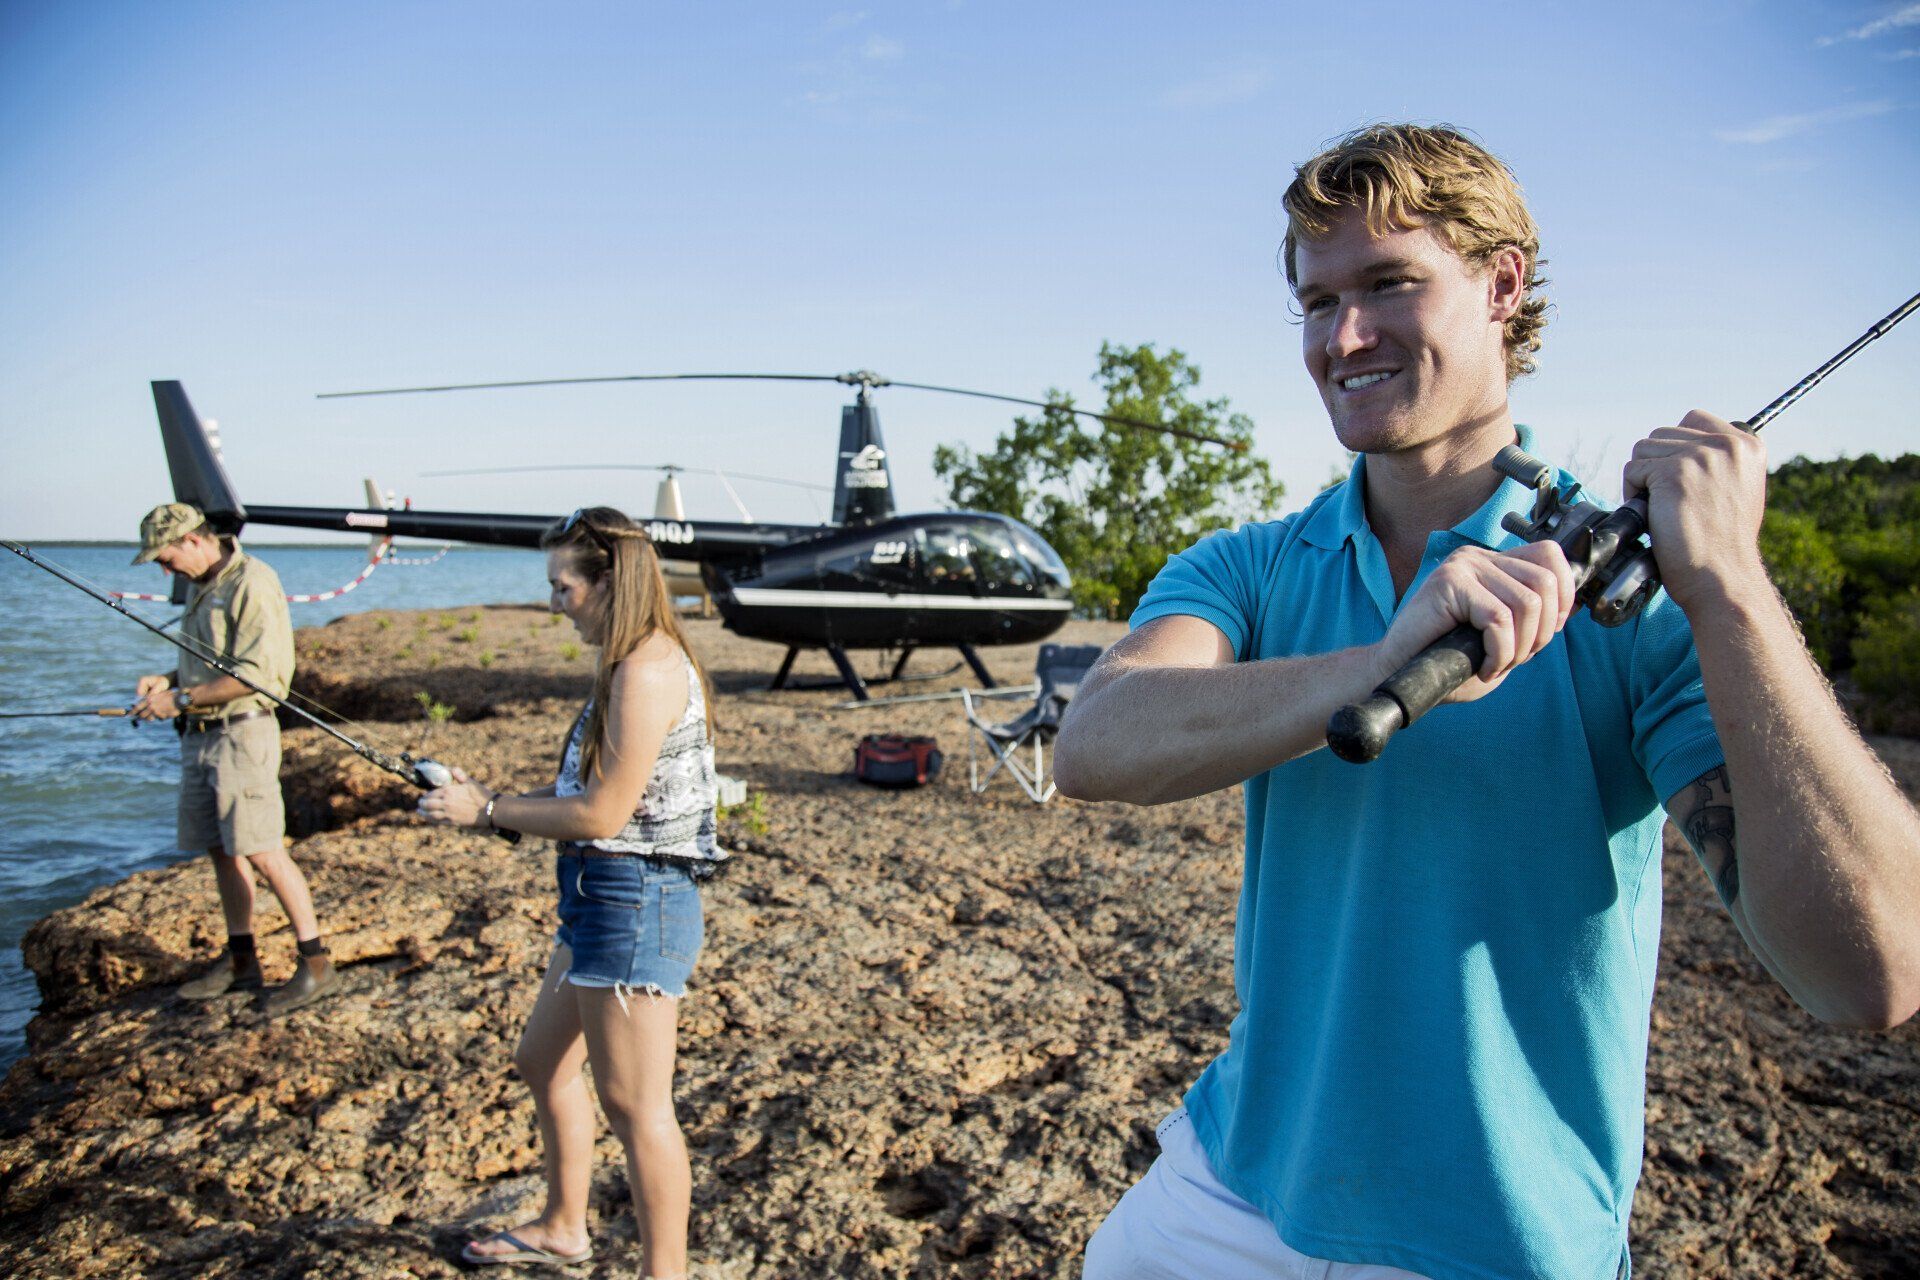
pixel 1359 732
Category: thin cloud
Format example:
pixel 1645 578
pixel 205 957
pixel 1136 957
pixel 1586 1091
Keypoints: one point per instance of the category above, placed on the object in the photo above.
pixel 858 79
pixel 846 18
pixel 1221 87
pixel 1907 16
pixel 1776 128
pixel 1901 55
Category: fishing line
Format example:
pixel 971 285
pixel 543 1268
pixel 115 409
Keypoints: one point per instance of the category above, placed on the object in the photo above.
pixel 425 774
pixel 187 643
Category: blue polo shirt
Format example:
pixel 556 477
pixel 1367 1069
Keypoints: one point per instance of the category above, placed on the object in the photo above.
pixel 1444 959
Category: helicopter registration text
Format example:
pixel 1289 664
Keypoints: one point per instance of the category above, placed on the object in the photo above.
pixel 670 531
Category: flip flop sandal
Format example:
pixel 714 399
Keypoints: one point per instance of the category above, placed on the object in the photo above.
pixel 523 1255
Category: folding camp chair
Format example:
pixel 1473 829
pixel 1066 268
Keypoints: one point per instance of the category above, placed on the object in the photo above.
pixel 1057 676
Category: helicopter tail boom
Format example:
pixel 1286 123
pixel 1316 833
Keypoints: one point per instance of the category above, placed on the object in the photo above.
pixel 677 539
pixel 199 478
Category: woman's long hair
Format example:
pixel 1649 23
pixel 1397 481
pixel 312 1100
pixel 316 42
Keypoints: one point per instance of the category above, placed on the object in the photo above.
pixel 603 543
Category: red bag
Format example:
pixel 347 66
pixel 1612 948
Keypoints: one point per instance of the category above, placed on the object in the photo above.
pixel 892 760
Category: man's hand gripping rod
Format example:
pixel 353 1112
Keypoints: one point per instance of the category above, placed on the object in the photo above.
pixel 1613 570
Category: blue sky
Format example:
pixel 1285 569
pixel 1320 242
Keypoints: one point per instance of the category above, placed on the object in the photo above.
pixel 271 200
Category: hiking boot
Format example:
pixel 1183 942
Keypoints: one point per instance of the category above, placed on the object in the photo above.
pixel 316 977
pixel 227 974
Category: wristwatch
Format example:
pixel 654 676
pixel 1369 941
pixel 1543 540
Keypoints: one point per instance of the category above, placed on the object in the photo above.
pixel 182 699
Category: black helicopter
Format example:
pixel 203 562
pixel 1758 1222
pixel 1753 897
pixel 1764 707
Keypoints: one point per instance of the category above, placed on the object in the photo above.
pixel 872 579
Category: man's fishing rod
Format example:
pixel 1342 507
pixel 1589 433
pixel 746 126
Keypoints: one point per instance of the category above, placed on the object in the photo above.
pixel 1613 570
pixel 97 711
pixel 425 774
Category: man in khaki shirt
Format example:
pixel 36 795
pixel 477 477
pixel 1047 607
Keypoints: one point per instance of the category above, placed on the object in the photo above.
pixel 230 801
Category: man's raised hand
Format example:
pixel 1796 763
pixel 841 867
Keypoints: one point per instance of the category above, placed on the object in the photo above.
pixel 1705 484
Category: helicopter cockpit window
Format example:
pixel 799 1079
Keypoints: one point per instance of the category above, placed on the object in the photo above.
pixel 950 558
pixel 1000 563
pixel 1043 558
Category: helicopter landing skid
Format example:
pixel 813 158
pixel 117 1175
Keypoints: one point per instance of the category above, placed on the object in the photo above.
pixel 850 679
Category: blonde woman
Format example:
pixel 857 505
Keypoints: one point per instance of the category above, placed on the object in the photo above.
pixel 632 812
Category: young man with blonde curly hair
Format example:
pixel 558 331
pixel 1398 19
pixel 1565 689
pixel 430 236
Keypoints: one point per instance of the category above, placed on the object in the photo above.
pixel 1445 959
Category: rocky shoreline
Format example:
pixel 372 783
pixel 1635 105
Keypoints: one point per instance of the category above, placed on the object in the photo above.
pixel 929 1036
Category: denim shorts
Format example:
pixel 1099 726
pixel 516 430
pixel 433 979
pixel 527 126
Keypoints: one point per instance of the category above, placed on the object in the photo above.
pixel 630 922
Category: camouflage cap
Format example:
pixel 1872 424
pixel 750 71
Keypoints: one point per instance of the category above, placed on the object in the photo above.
pixel 165 524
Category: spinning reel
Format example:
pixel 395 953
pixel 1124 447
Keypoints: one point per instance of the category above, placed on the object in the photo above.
pixel 1607 550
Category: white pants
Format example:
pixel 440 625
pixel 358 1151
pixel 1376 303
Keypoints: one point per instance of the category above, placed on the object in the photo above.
pixel 1179 1223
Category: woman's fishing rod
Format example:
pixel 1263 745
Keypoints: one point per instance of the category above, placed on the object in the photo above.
pixel 1613 569
pixel 425 774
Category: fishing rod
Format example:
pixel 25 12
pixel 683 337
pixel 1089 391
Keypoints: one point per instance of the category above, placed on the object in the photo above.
pixel 97 711
pixel 425 774
pixel 1613 570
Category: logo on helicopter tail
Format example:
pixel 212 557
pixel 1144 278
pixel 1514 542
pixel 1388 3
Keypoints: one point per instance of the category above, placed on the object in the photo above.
pixel 866 469
pixel 670 531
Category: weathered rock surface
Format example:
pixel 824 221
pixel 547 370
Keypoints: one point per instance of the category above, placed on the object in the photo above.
pixel 929 1036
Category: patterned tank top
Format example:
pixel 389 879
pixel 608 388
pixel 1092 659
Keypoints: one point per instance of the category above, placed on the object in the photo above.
pixel 675 816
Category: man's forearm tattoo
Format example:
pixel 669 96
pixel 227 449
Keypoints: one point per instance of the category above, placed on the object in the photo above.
pixel 1709 829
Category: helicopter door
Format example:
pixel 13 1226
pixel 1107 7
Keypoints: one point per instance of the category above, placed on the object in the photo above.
pixel 866 584
pixel 883 565
pixel 948 568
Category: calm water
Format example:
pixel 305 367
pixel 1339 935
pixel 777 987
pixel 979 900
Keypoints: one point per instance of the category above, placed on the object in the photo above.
pixel 86 801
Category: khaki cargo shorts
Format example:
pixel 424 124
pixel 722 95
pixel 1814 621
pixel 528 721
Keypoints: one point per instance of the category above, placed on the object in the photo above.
pixel 230 789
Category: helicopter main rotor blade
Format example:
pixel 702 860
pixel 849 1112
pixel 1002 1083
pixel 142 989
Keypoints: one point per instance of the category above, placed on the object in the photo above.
pixel 1135 424
pixel 865 379
pixel 569 382
pixel 632 466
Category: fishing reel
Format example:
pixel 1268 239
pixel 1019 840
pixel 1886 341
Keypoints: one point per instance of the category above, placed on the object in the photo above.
pixel 429 774
pixel 1614 576
pixel 1607 550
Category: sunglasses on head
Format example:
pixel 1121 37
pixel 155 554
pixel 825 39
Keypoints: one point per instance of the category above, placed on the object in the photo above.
pixel 579 517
